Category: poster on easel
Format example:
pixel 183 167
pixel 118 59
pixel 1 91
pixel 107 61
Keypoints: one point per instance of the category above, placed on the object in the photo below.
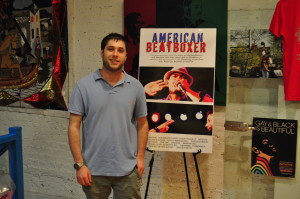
pixel 274 144
pixel 177 70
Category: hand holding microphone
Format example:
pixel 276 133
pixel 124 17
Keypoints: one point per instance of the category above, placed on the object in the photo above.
pixel 181 87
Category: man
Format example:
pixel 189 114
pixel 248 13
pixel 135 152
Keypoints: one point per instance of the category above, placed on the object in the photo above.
pixel 209 121
pixel 178 81
pixel 263 151
pixel 111 105
pixel 264 63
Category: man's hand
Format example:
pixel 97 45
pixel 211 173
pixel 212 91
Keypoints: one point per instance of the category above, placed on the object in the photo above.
pixel 84 176
pixel 164 127
pixel 182 85
pixel 153 87
pixel 140 164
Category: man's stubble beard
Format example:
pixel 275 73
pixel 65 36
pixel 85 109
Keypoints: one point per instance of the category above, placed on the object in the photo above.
pixel 107 67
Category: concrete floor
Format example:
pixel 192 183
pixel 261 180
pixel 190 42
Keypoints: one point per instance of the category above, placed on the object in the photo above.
pixel 38 196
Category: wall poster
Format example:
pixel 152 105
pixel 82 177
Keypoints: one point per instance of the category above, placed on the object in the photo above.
pixel 255 54
pixel 178 14
pixel 177 70
pixel 33 53
pixel 274 147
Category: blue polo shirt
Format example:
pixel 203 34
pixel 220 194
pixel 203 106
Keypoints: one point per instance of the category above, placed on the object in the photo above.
pixel 109 122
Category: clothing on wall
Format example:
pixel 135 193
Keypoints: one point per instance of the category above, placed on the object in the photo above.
pixel 286 24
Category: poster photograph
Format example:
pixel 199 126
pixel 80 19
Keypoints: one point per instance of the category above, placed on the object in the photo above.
pixel 182 14
pixel 177 70
pixel 274 143
pixel 255 54
pixel 199 80
pixel 180 127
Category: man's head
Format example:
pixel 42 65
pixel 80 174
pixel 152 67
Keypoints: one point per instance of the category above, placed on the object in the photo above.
pixel 113 52
pixel 133 24
pixel 209 121
pixel 193 10
pixel 114 36
pixel 262 144
pixel 176 76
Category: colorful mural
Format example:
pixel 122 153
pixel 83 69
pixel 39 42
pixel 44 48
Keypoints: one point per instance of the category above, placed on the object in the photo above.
pixel 33 53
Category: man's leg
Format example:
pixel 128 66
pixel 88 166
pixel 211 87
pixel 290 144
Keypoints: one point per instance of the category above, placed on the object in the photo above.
pixel 100 189
pixel 128 187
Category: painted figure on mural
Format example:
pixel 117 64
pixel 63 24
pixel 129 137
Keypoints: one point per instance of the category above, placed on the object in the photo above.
pixel 38 49
pixel 7 54
pixel 133 24
pixel 192 15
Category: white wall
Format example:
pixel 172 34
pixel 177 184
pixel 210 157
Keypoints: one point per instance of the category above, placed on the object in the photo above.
pixel 47 158
pixel 248 98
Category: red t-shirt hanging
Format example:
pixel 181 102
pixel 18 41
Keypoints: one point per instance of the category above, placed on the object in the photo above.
pixel 286 23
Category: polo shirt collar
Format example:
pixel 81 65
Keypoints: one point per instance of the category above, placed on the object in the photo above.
pixel 98 76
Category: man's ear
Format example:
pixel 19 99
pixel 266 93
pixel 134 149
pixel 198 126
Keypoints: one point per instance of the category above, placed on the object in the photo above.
pixel 255 150
pixel 101 53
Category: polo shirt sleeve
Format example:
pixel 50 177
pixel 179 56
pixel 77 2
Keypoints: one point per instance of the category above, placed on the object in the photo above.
pixel 141 105
pixel 76 104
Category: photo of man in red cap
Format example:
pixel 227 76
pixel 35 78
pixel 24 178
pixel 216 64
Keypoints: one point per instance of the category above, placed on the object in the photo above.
pixel 179 82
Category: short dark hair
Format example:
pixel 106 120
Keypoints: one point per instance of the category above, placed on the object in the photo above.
pixel 113 36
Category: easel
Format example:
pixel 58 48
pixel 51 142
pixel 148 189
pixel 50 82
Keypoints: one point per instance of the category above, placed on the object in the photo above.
pixel 186 173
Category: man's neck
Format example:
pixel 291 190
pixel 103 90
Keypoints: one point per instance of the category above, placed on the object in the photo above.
pixel 112 77
pixel 265 156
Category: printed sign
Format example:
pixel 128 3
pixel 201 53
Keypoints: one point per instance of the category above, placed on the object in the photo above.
pixel 274 147
pixel 177 70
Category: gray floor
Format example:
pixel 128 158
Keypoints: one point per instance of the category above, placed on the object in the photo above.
pixel 38 196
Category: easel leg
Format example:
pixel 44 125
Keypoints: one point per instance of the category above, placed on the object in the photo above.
pixel 187 176
pixel 150 171
pixel 198 174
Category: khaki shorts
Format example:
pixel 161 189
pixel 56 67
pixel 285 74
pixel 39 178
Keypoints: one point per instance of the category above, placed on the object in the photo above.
pixel 124 187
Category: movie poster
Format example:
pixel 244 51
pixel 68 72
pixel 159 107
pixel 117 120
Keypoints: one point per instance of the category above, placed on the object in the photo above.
pixel 177 70
pixel 274 147
pixel 255 54
pixel 178 14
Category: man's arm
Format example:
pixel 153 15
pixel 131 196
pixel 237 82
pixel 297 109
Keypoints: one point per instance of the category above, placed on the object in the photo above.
pixel 164 127
pixel 83 174
pixel 143 129
pixel 195 96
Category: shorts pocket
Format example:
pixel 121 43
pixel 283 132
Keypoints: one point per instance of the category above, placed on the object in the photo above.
pixel 137 173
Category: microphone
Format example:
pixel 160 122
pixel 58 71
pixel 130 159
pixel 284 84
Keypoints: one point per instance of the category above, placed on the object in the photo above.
pixel 181 87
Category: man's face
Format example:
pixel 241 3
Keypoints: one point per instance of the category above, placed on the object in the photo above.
pixel 139 24
pixel 196 10
pixel 209 122
pixel 175 79
pixel 268 148
pixel 114 55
